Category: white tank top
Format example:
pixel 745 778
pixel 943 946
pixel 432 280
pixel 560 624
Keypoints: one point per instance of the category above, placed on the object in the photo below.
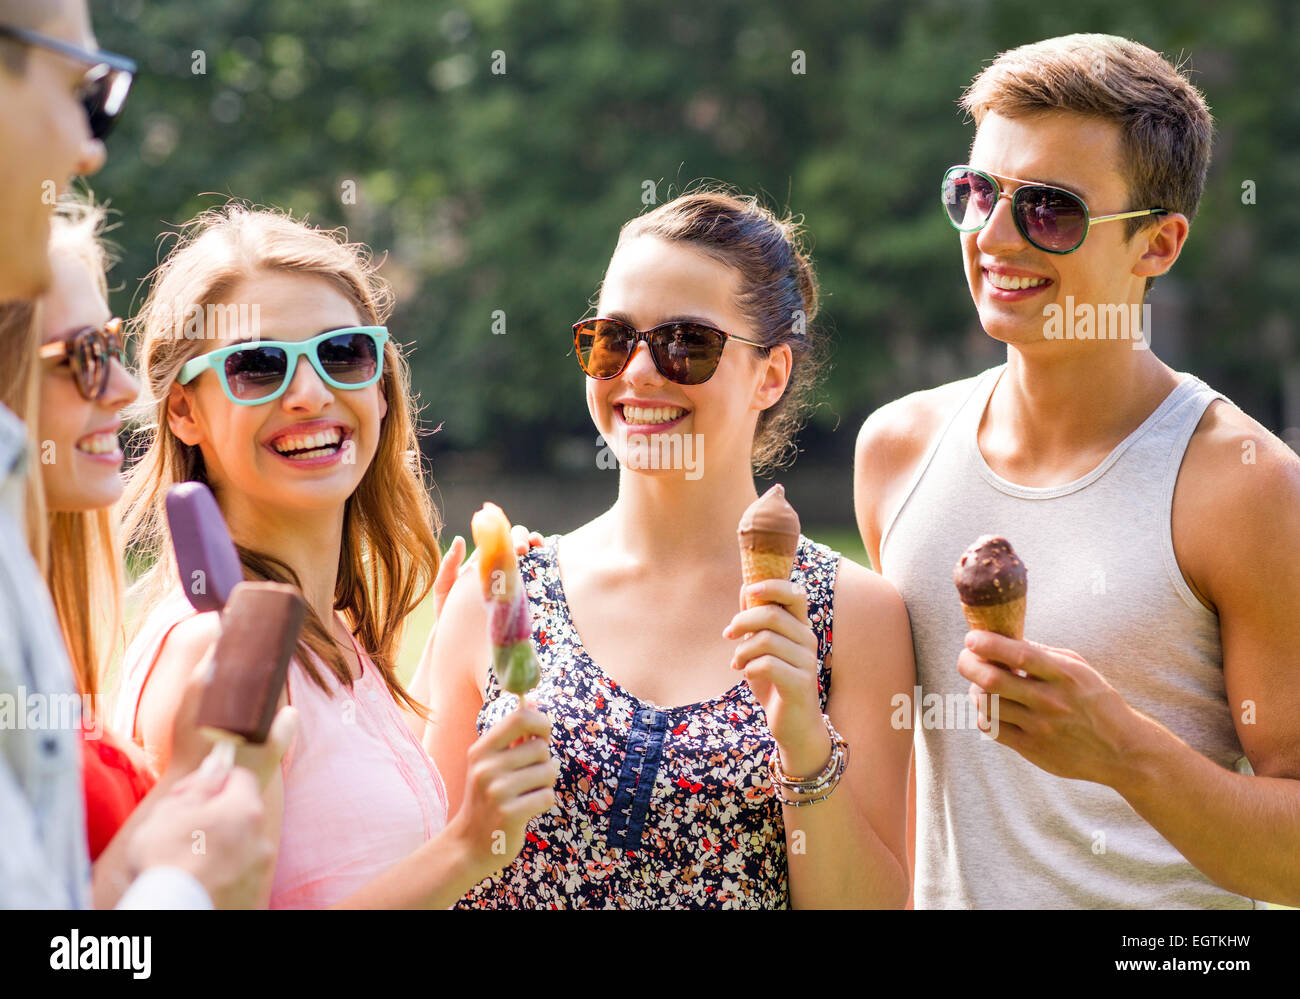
pixel 993 830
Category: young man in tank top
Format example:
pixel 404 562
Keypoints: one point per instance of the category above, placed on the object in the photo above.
pixel 1145 752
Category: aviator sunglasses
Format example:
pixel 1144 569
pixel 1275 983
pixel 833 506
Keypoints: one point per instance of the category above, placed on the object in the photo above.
pixel 1050 218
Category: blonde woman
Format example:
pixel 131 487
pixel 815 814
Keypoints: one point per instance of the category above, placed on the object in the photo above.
pixel 66 371
pixel 304 428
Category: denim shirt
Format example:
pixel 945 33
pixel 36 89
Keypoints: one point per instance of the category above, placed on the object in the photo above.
pixel 44 861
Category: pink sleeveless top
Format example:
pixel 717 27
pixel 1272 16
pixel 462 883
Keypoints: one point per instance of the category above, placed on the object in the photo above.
pixel 360 792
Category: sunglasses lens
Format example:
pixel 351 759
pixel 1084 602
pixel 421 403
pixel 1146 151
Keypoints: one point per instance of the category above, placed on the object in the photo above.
pixel 256 372
pixel 350 358
pixel 102 94
pixel 688 353
pixel 968 198
pixel 1052 220
pixel 90 364
pixel 604 346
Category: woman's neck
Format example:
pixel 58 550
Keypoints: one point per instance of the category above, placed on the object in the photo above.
pixel 669 519
pixel 307 542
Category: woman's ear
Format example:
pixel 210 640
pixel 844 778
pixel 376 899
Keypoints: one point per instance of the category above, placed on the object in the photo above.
pixel 776 375
pixel 180 415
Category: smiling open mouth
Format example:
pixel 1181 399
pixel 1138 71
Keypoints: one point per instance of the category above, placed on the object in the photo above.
pixel 304 447
pixel 639 416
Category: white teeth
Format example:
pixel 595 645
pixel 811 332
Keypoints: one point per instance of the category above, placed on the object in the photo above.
pixel 326 439
pixel 105 443
pixel 1008 283
pixel 648 416
pixel 317 453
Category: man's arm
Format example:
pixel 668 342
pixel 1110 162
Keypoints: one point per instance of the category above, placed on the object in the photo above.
pixel 1236 524
pixel 27 880
pixel 890 446
pixel 1236 528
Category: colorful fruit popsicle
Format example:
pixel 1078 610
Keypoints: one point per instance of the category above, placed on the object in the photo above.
pixel 992 583
pixel 509 624
pixel 206 559
pixel 259 632
pixel 768 535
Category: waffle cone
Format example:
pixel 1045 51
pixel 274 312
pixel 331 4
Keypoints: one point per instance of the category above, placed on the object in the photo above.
pixel 758 565
pixel 1005 619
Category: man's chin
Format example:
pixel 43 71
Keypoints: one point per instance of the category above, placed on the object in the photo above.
pixel 1013 331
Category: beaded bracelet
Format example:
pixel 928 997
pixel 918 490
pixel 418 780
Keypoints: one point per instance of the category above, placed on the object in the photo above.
pixel 811 789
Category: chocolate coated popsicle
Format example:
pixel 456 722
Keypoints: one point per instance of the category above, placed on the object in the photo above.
pixel 259 632
pixel 206 559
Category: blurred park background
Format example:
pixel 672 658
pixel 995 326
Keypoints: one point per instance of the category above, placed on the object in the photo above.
pixel 493 148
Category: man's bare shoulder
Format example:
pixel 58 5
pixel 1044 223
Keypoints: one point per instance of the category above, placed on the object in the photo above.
pixel 890 446
pixel 897 434
pixel 1236 503
pixel 1232 457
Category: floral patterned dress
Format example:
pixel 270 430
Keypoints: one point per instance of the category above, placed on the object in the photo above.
pixel 655 807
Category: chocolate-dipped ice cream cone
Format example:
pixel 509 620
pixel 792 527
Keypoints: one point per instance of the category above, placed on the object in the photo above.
pixel 768 536
pixel 992 583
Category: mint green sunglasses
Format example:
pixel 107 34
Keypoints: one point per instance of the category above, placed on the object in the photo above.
pixel 260 370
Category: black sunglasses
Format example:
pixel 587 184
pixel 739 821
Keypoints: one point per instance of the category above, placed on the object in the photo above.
pixel 103 90
pixel 90 354
pixel 685 353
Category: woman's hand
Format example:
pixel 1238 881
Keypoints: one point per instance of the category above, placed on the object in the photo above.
pixel 778 653
pixel 510 778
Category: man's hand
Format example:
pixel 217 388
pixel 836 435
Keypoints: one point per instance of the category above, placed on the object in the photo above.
pixel 1061 715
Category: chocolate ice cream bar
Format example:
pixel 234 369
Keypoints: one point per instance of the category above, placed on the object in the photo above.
pixel 206 559
pixel 259 632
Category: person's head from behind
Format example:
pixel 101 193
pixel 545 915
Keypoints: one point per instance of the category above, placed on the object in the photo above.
pixel 66 375
pixel 45 134
pixel 271 379
pixel 707 263
pixel 1111 128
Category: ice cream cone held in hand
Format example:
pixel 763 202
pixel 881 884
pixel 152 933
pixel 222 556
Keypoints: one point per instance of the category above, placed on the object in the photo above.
pixel 992 583
pixel 509 623
pixel 768 536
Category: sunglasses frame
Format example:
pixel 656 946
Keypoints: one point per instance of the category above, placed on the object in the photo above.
pixel 294 350
pixel 1030 185
pixel 66 350
pixel 119 70
pixel 644 335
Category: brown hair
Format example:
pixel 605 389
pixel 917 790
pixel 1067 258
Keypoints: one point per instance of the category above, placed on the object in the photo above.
pixel 778 293
pixel 1165 125
pixel 389 556
pixel 78 551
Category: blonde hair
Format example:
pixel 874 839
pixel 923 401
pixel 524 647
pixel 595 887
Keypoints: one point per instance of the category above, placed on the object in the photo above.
pixel 1166 129
pixel 78 551
pixel 389 556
